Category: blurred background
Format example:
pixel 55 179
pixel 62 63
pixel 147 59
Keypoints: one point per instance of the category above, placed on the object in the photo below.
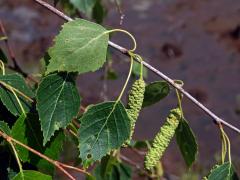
pixel 194 41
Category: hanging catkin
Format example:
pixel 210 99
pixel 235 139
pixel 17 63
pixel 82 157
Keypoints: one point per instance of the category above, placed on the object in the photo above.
pixel 135 100
pixel 162 139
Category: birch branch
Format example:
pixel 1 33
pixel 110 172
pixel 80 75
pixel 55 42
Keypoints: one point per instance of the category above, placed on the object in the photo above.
pixel 216 119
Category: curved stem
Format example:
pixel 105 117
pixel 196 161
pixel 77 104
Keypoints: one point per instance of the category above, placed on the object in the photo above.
pixel 128 33
pixel 16 90
pixel 228 144
pixel 229 148
pixel 179 98
pixel 224 149
pixel 2 66
pixel 126 82
pixel 224 144
pixel 179 103
pixel 19 103
pixel 17 158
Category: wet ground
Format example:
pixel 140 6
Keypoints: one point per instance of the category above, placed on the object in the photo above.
pixel 195 41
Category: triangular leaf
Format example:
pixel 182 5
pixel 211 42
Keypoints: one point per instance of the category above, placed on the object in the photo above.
pixel 104 127
pixel 85 6
pixel 155 92
pixel 80 47
pixel 28 131
pixel 32 175
pixel 58 102
pixel 186 142
pixel 9 100
pixel 5 128
pixel 223 172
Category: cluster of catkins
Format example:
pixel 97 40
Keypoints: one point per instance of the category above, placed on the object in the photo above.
pixel 167 131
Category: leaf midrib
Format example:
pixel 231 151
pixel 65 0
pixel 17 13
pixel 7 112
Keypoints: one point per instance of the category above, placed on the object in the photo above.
pixel 48 129
pixel 105 123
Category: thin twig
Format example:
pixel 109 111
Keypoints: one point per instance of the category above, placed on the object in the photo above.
pixel 138 152
pixel 76 123
pixel 72 133
pixel 59 165
pixel 75 168
pixel 17 158
pixel 51 8
pixel 83 108
pixel 119 11
pixel 129 161
pixel 157 72
pixel 137 166
pixel 15 90
pixel 11 54
pixel 10 51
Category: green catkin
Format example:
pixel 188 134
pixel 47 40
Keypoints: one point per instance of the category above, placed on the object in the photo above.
pixel 135 100
pixel 162 139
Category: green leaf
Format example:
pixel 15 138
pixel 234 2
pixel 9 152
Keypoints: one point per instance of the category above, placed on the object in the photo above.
pixel 28 131
pixel 155 92
pixel 5 128
pixel 19 133
pixel 98 12
pixel 186 142
pixel 104 127
pixel 30 175
pixel 136 69
pixel 104 169
pixel 223 172
pixel 69 8
pixel 52 150
pixel 111 169
pixel 9 100
pixel 3 57
pixel 80 47
pixel 85 6
pixel 58 103
pixel 125 172
pixel 44 61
